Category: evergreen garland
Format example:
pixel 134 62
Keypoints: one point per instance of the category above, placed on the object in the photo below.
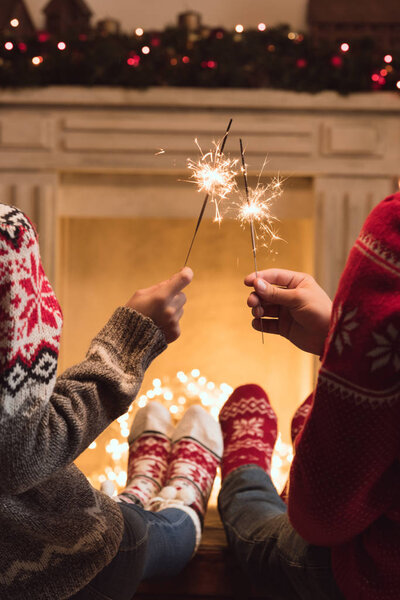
pixel 218 59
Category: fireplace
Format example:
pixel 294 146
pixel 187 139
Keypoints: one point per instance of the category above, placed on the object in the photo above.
pixel 114 216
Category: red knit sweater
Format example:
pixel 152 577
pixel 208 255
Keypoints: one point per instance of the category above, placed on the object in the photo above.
pixel 345 478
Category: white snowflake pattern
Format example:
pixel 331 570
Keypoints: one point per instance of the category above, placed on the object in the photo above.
pixel 342 325
pixel 252 427
pixel 387 349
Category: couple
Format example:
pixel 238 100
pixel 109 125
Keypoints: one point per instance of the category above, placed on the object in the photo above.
pixel 337 533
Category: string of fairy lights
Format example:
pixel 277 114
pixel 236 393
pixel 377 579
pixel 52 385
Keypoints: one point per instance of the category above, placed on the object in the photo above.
pixel 262 56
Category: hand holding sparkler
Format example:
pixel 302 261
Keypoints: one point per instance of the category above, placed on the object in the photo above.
pixel 215 175
pixel 296 306
pixel 163 303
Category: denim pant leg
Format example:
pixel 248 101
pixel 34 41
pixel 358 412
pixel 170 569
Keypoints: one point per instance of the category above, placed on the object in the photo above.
pixel 279 562
pixel 153 545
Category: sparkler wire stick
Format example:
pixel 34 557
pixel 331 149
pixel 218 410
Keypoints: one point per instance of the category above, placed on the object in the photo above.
pixel 203 208
pixel 253 237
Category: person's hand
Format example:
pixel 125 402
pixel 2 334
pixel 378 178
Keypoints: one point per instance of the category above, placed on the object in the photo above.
pixel 300 308
pixel 164 302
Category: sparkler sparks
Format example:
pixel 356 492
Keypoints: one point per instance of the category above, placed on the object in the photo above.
pixel 214 174
pixel 217 160
pixel 257 209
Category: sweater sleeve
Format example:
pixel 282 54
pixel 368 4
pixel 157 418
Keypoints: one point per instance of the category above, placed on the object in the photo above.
pixel 345 473
pixel 46 423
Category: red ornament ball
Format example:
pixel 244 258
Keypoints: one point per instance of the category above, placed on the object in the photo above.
pixel 301 63
pixel 43 36
pixel 336 61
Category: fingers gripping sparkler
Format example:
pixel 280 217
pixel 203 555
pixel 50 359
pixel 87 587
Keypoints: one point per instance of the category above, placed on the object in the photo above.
pixel 215 175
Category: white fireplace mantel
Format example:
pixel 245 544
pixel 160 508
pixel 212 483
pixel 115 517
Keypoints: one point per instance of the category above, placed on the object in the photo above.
pixel 350 146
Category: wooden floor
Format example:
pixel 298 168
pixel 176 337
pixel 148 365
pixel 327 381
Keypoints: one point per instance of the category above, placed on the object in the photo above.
pixel 212 574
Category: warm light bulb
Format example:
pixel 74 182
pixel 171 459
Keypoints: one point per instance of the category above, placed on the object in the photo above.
pixel 61 45
pixel 398 85
pixel 14 22
pixel 388 59
pixel 261 27
pixel 8 45
pixel 239 28
pixel 345 47
pixel 37 60
pixel 292 35
pixel 181 376
pixel 146 50
pixel 139 32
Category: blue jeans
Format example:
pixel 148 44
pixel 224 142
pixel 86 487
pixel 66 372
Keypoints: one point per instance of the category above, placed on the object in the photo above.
pixel 153 545
pixel 279 562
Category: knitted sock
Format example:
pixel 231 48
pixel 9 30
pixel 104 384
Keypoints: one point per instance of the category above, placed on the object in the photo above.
pixel 300 416
pixel 196 453
pixel 149 447
pixel 249 427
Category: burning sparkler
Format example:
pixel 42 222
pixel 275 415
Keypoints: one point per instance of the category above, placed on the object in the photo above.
pixel 214 174
pixel 256 208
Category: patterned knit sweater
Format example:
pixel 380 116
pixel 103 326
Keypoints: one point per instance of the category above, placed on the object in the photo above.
pixel 345 478
pixel 57 531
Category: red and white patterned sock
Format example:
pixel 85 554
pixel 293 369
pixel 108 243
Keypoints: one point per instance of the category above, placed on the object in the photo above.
pixel 149 448
pixel 300 416
pixel 249 427
pixel 195 455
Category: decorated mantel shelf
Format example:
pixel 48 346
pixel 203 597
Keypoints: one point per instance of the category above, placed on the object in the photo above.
pixel 349 146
